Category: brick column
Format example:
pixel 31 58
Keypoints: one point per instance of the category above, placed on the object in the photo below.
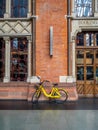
pixel 7 59
pixel 29 58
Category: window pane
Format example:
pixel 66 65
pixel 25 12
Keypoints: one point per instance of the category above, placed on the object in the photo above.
pixel 15 43
pixel 80 39
pixel 89 73
pixel 96 75
pixel 23 2
pixel 97 39
pixel 19 55
pixel 80 73
pixel 15 2
pixel 15 12
pixel 80 57
pixel 89 57
pixel 2 8
pixel 19 8
pixel 2 57
pixel 89 39
pixel 23 12
pixel 83 8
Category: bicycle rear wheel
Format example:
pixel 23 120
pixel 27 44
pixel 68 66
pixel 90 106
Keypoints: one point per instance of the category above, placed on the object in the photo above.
pixel 64 96
pixel 35 97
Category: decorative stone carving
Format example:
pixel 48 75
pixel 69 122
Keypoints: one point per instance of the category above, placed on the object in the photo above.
pixel 88 22
pixel 15 27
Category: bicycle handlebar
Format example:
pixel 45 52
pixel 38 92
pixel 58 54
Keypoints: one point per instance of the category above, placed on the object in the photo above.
pixel 41 83
pixel 37 85
pixel 44 81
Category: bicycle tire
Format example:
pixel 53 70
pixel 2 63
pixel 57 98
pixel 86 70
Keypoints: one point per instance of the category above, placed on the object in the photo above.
pixel 35 97
pixel 64 96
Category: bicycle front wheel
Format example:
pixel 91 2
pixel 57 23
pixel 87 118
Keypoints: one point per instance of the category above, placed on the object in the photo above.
pixel 64 96
pixel 35 97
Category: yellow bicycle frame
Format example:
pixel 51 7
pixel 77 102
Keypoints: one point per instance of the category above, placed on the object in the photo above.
pixel 53 94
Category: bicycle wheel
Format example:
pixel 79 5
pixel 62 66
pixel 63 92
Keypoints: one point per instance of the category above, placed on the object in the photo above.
pixel 64 96
pixel 35 97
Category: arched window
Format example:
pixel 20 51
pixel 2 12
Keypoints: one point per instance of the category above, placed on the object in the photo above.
pixel 19 8
pixel 2 8
pixel 84 8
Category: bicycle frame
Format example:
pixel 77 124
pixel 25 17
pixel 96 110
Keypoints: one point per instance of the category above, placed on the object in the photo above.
pixel 52 93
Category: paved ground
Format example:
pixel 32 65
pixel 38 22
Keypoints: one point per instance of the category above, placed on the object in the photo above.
pixel 81 104
pixel 49 120
pixel 21 115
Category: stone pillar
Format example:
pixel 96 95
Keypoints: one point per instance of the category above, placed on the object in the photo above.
pixel 29 58
pixel 8 9
pixel 29 8
pixel 73 8
pixel 95 5
pixel 73 58
pixel 7 59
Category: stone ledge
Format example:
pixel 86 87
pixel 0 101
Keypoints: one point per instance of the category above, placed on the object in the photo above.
pixel 22 90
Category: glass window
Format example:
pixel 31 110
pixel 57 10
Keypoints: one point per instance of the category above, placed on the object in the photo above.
pixel 96 75
pixel 80 57
pixel 2 8
pixel 19 57
pixel 89 73
pixel 80 39
pixel 83 8
pixel 80 73
pixel 2 52
pixel 96 37
pixel 19 8
pixel 87 39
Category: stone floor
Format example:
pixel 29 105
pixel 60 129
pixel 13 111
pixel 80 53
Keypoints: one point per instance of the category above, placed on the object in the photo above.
pixel 48 120
pixel 22 115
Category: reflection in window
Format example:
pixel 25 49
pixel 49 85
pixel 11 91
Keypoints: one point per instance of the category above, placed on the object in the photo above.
pixel 2 8
pixel 80 73
pixel 89 73
pixel 23 44
pixel 2 52
pixel 96 75
pixel 89 57
pixel 80 54
pixel 80 57
pixel 83 8
pixel 80 39
pixel 89 39
pixel 19 55
pixel 96 39
pixel 19 8
pixel 96 54
pixel 19 44
pixel 15 43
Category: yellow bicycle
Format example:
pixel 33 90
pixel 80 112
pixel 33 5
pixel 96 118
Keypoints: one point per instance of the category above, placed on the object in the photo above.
pixel 56 94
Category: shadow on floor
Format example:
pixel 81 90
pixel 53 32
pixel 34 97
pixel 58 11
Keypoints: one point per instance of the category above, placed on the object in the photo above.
pixel 81 104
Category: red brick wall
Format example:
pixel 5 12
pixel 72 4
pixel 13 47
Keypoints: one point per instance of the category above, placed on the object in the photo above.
pixel 24 91
pixel 51 13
